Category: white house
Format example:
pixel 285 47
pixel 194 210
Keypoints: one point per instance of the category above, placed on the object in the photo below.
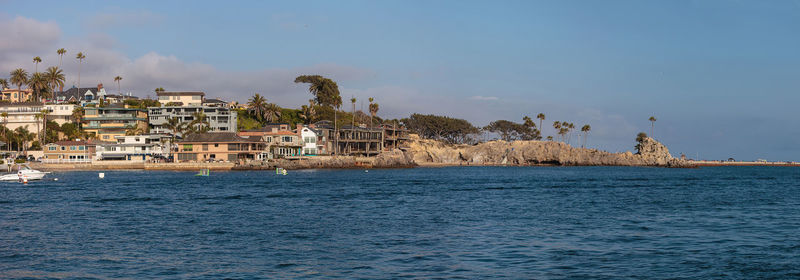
pixel 134 148
pixel 60 113
pixel 311 142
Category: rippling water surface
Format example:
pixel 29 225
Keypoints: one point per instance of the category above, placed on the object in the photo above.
pixel 470 222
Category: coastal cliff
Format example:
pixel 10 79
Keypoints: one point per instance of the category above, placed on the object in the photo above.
pixel 432 152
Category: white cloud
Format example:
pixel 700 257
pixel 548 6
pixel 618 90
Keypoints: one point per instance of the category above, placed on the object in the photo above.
pixel 484 98
pixel 143 74
pixel 24 36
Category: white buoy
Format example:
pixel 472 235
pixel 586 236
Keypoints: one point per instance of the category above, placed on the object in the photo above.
pixel 55 179
pixel 366 171
pixel 25 180
pixel 101 175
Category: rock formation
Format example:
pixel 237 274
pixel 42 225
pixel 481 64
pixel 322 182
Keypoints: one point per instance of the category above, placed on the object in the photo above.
pixel 424 151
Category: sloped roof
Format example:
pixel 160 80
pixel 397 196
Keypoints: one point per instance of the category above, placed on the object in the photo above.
pixel 77 93
pixel 215 137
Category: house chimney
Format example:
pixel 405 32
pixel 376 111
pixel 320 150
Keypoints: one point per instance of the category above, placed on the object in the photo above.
pixel 299 127
pixel 99 86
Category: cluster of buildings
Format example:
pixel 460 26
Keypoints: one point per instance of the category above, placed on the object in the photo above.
pixel 108 119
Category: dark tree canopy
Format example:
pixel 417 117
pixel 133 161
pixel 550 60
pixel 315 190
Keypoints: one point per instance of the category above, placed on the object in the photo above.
pixel 510 131
pixel 325 91
pixel 444 128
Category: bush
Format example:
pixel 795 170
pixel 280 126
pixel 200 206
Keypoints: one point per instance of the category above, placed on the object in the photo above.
pixel 19 160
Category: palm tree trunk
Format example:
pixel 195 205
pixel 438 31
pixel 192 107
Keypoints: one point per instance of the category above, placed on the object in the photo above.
pixel 335 134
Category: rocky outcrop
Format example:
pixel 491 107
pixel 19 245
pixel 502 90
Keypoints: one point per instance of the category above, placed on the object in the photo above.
pixel 424 151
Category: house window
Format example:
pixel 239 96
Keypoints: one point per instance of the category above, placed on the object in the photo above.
pixel 51 148
pixel 216 145
pixel 63 148
pixel 187 147
pixel 81 148
pixel 205 147
pixel 287 138
pixel 105 136
pixel 72 148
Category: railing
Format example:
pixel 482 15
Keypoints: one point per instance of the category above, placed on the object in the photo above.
pixel 66 160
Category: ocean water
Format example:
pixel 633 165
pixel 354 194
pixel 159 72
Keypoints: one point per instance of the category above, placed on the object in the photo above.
pixel 468 222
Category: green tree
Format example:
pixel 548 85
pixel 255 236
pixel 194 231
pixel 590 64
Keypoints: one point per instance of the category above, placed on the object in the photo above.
pixel 78 114
pixel 272 112
pixel 257 105
pixel 557 127
pixel 55 78
pixel 639 140
pixel 39 85
pixel 5 126
pixel 118 79
pixel 3 84
pixel 199 124
pixel 373 110
pixel 159 89
pixel 308 112
pixel 325 91
pixel 585 129
pixel 80 57
pixel 60 53
pixel 36 61
pixel 652 120
pixel 19 77
pixel 541 117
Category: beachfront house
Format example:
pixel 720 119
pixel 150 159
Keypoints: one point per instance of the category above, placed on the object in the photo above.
pixel 313 141
pixel 351 140
pixel 69 152
pixel 219 146
pixel 22 115
pixel 60 113
pixel 220 119
pixel 280 139
pixel 108 122
pixel 134 148
pixel 181 98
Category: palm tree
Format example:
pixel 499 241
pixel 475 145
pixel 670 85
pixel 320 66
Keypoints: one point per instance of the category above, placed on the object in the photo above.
pixel 373 110
pixel 80 58
pixel 272 112
pixel 541 117
pixel 44 114
pixel 19 77
pixel 176 126
pixel 23 135
pixel 39 85
pixel 159 89
pixel 336 106
pixel 117 79
pixel 652 120
pixel 38 117
pixel 199 124
pixel 557 126
pixel 353 117
pixel 3 84
pixel 585 129
pixel 308 112
pixel 5 125
pixel 570 127
pixel 77 114
pixel 36 61
pixel 257 106
pixel 60 53
pixel 55 77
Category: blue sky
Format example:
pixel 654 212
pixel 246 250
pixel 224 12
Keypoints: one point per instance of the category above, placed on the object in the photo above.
pixel 721 76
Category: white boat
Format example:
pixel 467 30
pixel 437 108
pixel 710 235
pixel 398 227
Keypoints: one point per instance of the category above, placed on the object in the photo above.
pixel 23 172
